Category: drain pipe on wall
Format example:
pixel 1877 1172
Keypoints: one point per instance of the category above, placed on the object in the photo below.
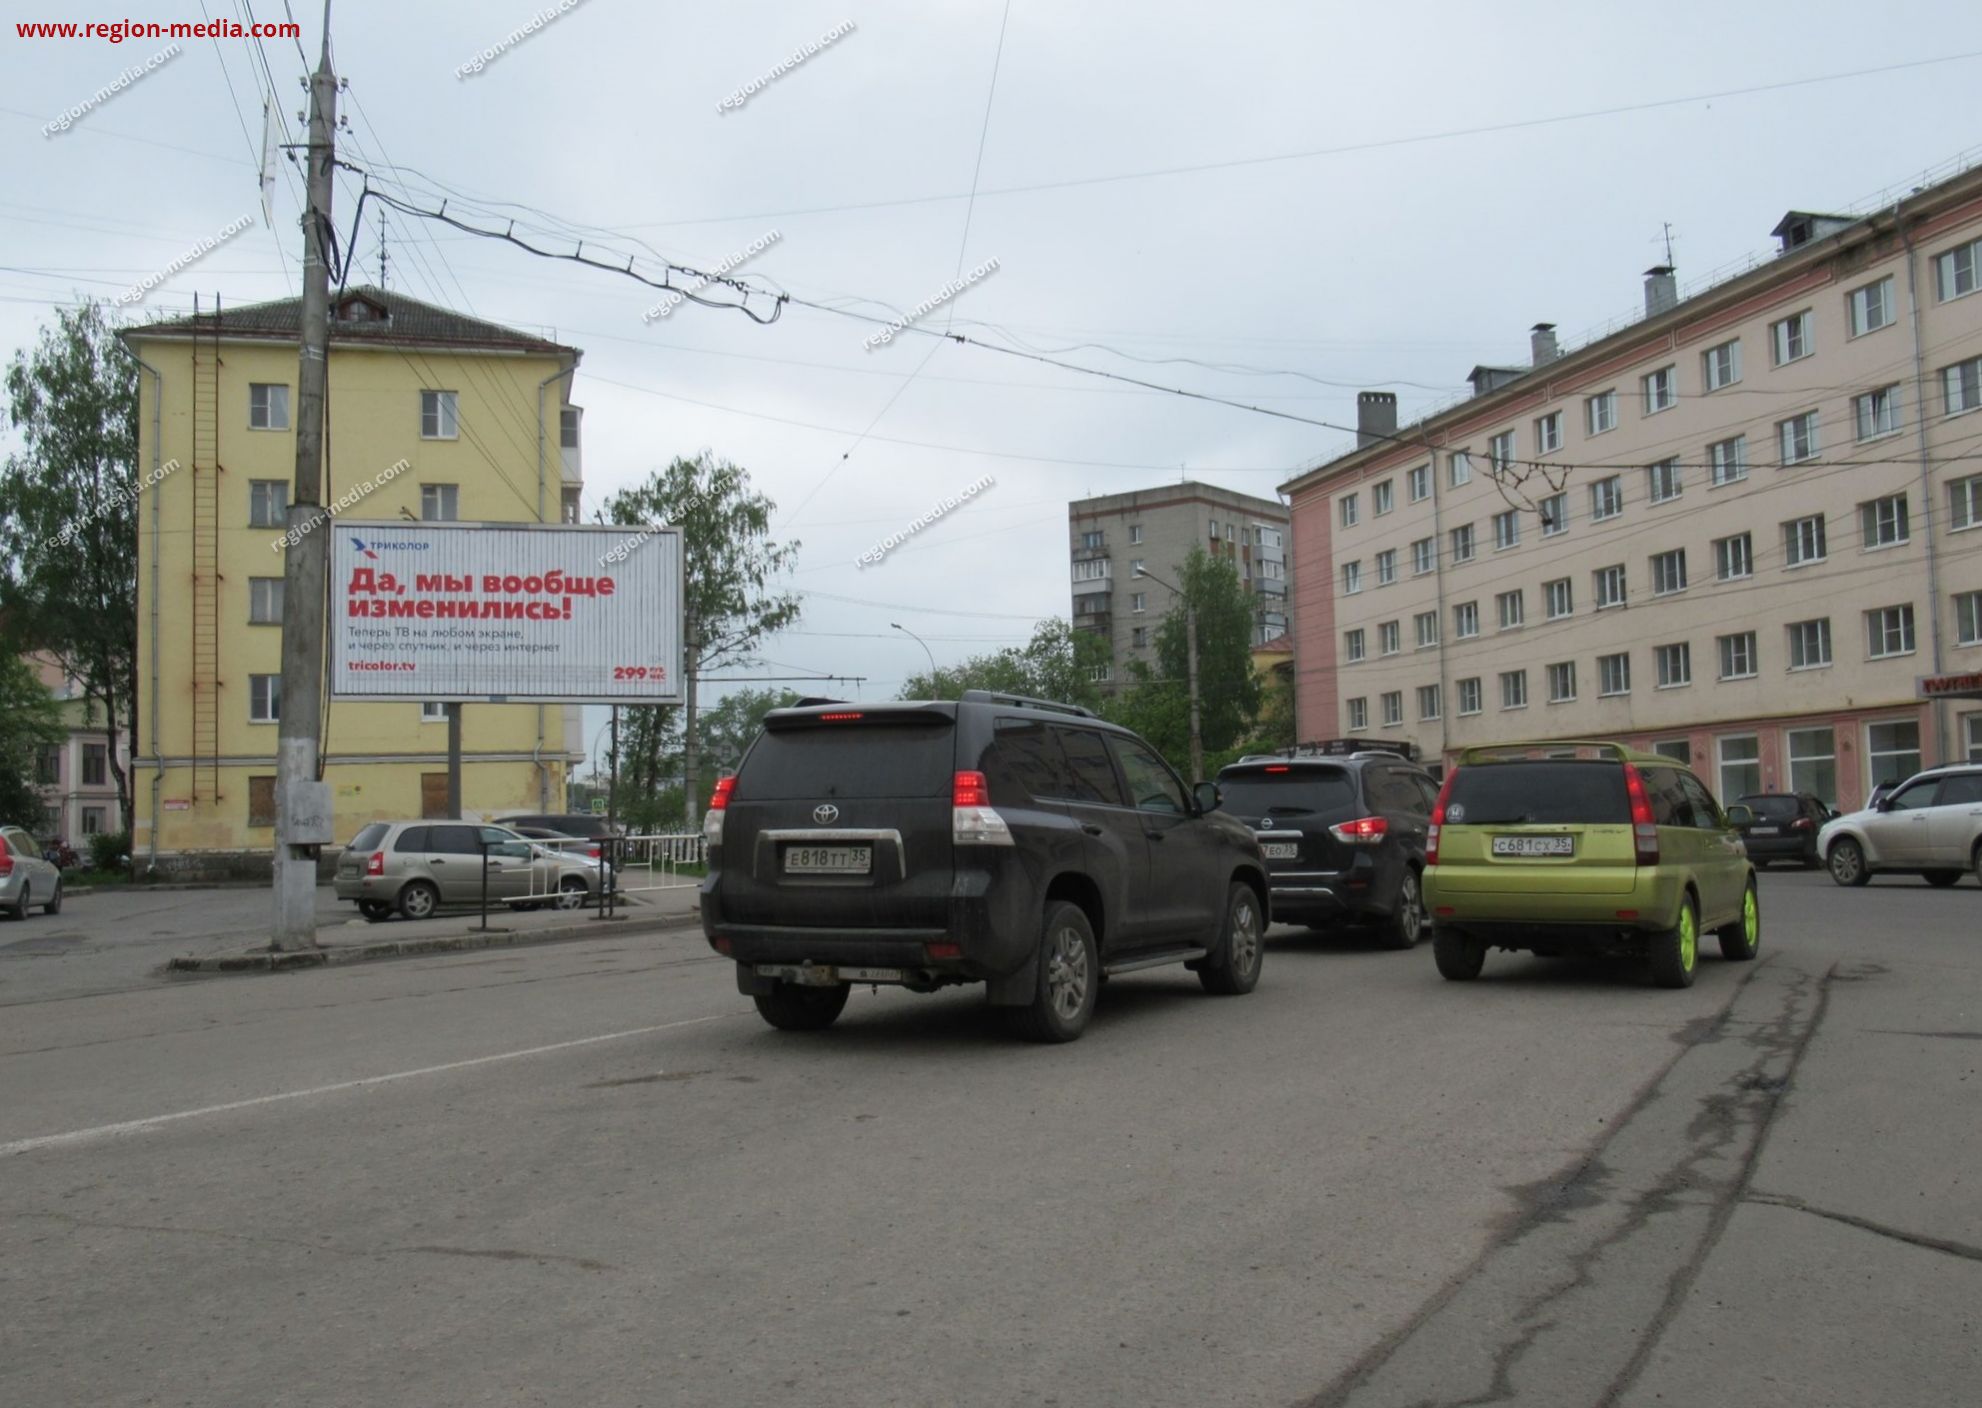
pixel 537 753
pixel 1939 706
pixel 157 753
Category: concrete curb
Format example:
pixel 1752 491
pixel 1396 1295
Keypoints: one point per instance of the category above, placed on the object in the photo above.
pixel 262 961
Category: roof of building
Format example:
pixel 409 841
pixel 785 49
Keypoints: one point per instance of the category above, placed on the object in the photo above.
pixel 1159 495
pixel 362 315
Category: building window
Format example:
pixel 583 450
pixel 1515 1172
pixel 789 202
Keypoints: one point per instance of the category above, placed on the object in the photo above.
pixel 1469 695
pixel 1500 452
pixel 1228 532
pixel 1554 513
pixel 1675 664
pixel 1789 340
pixel 1728 459
pixel 1669 572
pixel 1352 645
pixel 1514 689
pixel 1386 567
pixel 1961 386
pixel 1359 715
pixel 570 504
pixel 1459 468
pixel 95 819
pixel 96 764
pixel 1424 556
pixel 1092 540
pixel 1737 656
pixel 1871 307
pixel 1796 438
pixel 1562 682
pixel 1135 534
pixel 1512 609
pixel 440 503
pixel 268 503
pixel 268 405
pixel 1420 481
pixel 1613 675
pixel 1425 624
pixel 1955 272
pixel 1876 413
pixel 1892 750
pixel 1139 637
pixel 1883 521
pixel 1734 558
pixel 1383 497
pixel 1561 599
pixel 1813 762
pixel 264 601
pixel 1740 764
pixel 1676 749
pixel 1135 568
pixel 567 428
pixel 1506 529
pixel 1664 480
pixel 1973 724
pixel 1810 644
pixel 264 699
pixel 1888 631
pixel 1349 507
pixel 1352 578
pixel 1661 390
pixel 1607 498
pixel 1389 637
pixel 439 415
pixel 1428 701
pixel 261 801
pixel 1393 708
pixel 1968 618
pixel 1462 543
pixel 1610 586
pixel 1466 620
pixel 1721 365
pixel 433 711
pixel 1093 570
pixel 48 766
pixel 1548 433
pixel 1600 412
pixel 1803 541
pixel 1138 602
pixel 1214 524
pixel 1965 503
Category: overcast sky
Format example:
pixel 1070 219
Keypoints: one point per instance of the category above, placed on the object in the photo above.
pixel 1356 264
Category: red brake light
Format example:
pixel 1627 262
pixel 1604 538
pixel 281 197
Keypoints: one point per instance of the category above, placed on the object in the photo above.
pixel 1438 818
pixel 1802 823
pixel 718 799
pixel 1364 831
pixel 969 789
pixel 6 857
pixel 1277 767
pixel 841 718
pixel 592 851
pixel 1644 826
pixel 376 864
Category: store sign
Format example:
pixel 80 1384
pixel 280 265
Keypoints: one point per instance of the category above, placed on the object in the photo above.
pixel 1964 686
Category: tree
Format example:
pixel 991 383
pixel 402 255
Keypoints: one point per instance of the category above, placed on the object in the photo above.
pixel 1158 706
pixel 30 720
pixel 68 515
pixel 1058 663
pixel 730 563
pixel 730 727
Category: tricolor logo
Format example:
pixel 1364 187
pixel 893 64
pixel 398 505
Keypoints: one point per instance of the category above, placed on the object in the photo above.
pixel 365 550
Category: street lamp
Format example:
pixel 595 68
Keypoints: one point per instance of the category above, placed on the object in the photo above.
pixel 925 650
pixel 1190 646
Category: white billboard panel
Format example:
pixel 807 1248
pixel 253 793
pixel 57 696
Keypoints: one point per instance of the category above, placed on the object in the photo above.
pixel 506 613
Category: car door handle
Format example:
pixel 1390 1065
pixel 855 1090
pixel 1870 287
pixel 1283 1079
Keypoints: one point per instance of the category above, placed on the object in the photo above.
pixel 1091 829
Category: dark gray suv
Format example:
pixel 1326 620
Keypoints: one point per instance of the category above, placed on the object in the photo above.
pixel 1022 844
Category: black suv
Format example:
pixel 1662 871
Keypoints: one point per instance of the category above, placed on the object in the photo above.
pixel 1343 836
pixel 1022 844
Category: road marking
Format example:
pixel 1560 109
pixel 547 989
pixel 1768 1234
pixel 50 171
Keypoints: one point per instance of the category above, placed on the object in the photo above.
pixel 107 1131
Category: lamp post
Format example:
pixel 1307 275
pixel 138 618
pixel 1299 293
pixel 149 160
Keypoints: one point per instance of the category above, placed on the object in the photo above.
pixel 925 650
pixel 1190 647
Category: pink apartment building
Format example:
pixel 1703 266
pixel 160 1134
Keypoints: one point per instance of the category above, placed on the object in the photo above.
pixel 1746 530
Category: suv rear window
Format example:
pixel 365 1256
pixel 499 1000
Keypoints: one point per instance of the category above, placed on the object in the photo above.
pixel 878 759
pixel 1774 808
pixel 1296 792
pixel 369 837
pixel 1552 793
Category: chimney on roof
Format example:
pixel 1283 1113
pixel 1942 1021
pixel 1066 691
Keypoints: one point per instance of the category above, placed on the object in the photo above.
pixel 1376 416
pixel 1661 289
pixel 1541 341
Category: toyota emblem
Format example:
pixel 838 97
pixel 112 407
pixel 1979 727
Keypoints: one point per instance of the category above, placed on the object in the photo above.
pixel 825 813
pixel 1266 823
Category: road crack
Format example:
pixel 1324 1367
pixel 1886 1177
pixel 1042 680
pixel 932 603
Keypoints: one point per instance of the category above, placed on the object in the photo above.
pixel 1865 1224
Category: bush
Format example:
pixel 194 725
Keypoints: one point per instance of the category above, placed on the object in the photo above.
pixel 110 850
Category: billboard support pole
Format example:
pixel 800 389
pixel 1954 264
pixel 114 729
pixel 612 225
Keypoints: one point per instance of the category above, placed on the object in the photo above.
pixel 690 755
pixel 612 821
pixel 454 761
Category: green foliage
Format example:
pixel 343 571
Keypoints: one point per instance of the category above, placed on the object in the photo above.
pixel 649 813
pixel 110 850
pixel 68 513
pixel 1158 704
pixel 731 726
pixel 1058 663
pixel 30 720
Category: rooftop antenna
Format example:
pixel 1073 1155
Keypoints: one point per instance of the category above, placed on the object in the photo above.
pixel 382 255
pixel 1668 243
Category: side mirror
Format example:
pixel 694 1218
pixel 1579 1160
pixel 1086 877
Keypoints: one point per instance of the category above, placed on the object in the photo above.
pixel 1206 795
pixel 1883 804
pixel 1738 815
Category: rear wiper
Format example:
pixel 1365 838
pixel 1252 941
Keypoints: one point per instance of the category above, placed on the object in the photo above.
pixel 1289 811
pixel 1519 820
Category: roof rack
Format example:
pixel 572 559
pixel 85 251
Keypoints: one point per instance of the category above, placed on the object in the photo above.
pixel 813 700
pixel 985 696
pixel 1559 749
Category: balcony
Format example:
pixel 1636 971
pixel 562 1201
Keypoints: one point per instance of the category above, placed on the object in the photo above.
pixel 1094 609
pixel 1089 554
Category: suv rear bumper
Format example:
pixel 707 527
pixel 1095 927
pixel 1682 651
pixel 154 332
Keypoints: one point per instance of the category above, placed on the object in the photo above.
pixel 1319 896
pixel 990 942
pixel 1649 905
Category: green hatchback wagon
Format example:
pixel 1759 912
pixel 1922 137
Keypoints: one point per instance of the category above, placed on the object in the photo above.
pixel 1578 847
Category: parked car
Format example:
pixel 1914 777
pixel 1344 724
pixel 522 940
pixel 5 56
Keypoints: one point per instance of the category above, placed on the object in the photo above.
pixel 26 878
pixel 591 826
pixel 1929 825
pixel 420 867
pixel 1021 844
pixel 1785 827
pixel 1589 848
pixel 1343 837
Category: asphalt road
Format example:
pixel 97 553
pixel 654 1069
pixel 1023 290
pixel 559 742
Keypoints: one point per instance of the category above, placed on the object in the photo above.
pixel 587 1174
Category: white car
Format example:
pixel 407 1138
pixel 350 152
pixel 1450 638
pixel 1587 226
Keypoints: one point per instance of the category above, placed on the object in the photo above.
pixel 25 878
pixel 1930 825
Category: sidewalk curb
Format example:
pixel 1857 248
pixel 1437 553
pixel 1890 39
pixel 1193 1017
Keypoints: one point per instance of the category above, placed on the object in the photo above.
pixel 261 961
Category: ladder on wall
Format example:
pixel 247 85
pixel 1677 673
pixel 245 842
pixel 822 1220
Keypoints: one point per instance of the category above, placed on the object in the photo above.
pixel 205 594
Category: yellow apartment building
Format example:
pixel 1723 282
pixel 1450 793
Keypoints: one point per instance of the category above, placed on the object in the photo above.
pixel 431 416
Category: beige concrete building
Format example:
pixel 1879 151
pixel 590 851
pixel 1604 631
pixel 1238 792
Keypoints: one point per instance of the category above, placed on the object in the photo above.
pixel 1739 530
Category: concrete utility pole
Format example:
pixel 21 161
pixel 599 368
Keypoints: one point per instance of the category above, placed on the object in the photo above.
pixel 303 810
pixel 1190 670
pixel 691 802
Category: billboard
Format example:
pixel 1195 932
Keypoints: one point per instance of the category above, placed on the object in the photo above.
pixel 506 613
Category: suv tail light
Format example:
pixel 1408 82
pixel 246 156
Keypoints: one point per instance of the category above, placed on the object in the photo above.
pixel 1644 827
pixel 1363 831
pixel 6 858
pixel 375 863
pixel 1438 818
pixel 712 819
pixel 1802 823
pixel 973 820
